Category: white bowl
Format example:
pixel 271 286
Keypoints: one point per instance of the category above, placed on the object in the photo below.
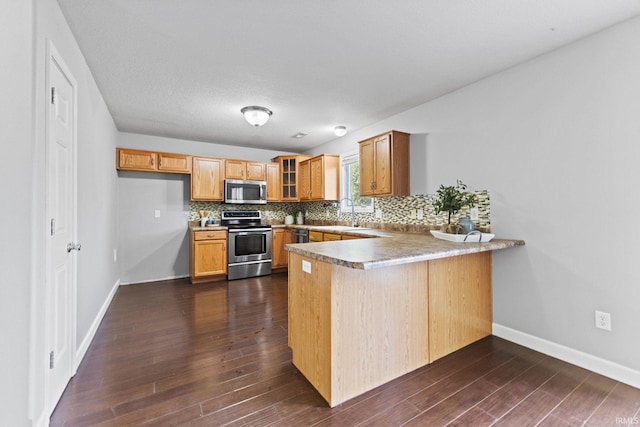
pixel 473 237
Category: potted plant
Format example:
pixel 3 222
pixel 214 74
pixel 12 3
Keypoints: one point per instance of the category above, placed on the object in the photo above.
pixel 451 200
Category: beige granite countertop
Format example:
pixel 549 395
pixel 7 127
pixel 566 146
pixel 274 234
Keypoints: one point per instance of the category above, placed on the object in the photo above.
pixel 388 248
pixel 383 248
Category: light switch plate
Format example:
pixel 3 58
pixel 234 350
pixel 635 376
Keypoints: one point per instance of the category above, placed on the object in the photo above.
pixel 306 266
pixel 157 213
pixel 379 213
pixel 420 214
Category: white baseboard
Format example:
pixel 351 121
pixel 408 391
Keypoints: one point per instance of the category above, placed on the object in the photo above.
pixel 601 366
pixel 84 346
pixel 154 280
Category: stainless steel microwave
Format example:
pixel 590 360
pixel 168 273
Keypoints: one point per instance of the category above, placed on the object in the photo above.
pixel 242 191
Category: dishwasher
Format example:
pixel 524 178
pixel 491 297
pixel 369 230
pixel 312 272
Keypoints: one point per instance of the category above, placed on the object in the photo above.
pixel 302 236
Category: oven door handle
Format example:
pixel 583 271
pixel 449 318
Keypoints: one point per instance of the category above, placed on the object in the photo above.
pixel 253 231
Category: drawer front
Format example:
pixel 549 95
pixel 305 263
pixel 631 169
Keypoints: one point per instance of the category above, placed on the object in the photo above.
pixel 315 236
pixel 332 236
pixel 210 235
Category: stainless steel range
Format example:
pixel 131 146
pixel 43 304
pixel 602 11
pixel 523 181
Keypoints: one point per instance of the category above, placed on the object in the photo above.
pixel 249 244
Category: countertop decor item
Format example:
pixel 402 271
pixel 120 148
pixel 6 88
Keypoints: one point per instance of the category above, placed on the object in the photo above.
pixel 474 236
pixel 451 199
pixel 288 220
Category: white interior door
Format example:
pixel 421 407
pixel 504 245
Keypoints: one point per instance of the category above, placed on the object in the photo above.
pixel 61 210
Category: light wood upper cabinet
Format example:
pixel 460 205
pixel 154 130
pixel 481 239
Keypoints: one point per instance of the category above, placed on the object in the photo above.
pixel 289 176
pixel 136 160
pixel 281 237
pixel 151 161
pixel 207 179
pixel 208 255
pixel 273 182
pixel 241 169
pixel 320 178
pixel 304 183
pixel 177 163
pixel 384 165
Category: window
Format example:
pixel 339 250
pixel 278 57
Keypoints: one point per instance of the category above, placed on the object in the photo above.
pixel 350 186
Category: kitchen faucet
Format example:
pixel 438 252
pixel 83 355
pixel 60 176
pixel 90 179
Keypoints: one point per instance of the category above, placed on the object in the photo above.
pixel 353 211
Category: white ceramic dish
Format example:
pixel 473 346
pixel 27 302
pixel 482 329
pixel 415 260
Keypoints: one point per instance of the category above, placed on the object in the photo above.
pixel 463 238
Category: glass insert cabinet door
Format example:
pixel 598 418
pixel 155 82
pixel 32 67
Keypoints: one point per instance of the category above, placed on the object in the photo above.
pixel 289 169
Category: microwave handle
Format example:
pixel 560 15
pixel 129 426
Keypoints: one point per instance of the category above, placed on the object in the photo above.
pixel 262 192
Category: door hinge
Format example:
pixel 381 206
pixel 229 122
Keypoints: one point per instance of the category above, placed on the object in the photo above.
pixel 53 226
pixel 51 360
pixel 53 95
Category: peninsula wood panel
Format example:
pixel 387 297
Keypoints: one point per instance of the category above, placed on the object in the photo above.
pixel 310 321
pixel 460 302
pixel 380 326
pixel 352 330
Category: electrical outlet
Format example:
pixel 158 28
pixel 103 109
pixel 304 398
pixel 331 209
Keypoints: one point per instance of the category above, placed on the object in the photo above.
pixel 413 214
pixel 420 214
pixel 157 213
pixel 306 266
pixel 327 214
pixel 603 320
pixel 379 213
pixel 474 214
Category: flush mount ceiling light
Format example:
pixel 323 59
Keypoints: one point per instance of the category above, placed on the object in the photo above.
pixel 256 116
pixel 299 135
pixel 340 130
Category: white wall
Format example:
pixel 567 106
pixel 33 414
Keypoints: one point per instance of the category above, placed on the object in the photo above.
pixel 556 141
pixel 40 22
pixel 16 180
pixel 152 248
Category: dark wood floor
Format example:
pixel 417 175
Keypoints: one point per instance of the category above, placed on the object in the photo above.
pixel 169 353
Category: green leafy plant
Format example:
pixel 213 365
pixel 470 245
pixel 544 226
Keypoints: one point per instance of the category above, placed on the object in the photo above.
pixel 451 200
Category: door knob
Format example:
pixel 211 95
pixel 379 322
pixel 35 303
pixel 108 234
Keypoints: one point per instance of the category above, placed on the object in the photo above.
pixel 73 247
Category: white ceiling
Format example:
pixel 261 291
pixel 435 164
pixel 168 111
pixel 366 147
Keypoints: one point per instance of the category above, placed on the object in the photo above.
pixel 184 68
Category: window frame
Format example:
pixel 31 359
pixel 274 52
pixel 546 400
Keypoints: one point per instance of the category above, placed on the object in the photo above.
pixel 346 160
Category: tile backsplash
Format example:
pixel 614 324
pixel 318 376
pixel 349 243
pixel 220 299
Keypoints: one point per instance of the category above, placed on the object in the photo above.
pixel 395 211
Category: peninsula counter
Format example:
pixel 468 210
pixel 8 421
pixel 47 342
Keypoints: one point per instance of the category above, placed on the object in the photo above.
pixel 363 312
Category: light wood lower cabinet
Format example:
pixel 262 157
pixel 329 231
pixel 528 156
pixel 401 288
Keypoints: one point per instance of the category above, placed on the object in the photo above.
pixel 319 236
pixel 315 236
pixel 352 330
pixel 281 237
pixel 208 255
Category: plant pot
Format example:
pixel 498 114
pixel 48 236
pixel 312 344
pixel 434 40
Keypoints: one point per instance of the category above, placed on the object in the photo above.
pixel 451 228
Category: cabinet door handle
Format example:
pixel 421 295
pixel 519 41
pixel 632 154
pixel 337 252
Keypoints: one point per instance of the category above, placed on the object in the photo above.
pixel 151 160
